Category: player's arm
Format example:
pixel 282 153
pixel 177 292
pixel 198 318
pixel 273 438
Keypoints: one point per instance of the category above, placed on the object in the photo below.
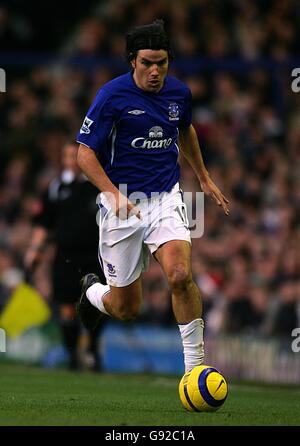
pixel 91 167
pixel 189 147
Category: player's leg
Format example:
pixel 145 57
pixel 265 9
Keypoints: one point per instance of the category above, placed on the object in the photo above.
pixel 175 259
pixel 170 241
pixel 119 302
pixel 98 300
pixel 122 259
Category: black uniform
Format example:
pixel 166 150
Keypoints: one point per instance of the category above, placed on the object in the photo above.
pixel 69 211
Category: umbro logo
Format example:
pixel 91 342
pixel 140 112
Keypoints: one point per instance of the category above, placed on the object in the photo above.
pixel 136 112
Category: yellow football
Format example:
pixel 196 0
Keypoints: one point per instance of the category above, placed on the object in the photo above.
pixel 203 389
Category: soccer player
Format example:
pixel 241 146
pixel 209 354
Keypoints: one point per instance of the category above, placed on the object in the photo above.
pixel 130 137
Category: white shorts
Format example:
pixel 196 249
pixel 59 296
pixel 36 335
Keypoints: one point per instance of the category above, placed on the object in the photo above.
pixel 124 245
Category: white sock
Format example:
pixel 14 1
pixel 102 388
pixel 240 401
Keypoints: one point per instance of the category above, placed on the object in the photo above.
pixel 192 341
pixel 95 294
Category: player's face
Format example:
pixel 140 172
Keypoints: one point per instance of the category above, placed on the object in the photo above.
pixel 150 69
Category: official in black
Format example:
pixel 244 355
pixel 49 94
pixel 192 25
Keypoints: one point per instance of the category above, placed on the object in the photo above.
pixel 68 216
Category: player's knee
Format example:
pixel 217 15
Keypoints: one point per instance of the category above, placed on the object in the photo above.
pixel 179 277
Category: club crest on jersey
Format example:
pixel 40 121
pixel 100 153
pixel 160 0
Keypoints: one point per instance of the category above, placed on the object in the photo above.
pixel 85 128
pixel 111 270
pixel 154 141
pixel 173 112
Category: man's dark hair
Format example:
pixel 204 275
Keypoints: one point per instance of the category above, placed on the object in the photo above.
pixel 147 37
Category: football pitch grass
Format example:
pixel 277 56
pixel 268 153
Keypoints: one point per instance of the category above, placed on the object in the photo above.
pixel 30 396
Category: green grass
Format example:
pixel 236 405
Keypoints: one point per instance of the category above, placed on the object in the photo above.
pixel 31 396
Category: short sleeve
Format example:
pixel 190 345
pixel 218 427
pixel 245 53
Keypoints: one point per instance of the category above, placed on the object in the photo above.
pixel 98 123
pixel 186 118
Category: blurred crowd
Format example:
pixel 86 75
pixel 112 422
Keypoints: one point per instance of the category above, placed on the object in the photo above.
pixel 248 123
pixel 216 28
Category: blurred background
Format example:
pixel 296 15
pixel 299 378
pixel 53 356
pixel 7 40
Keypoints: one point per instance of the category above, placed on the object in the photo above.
pixel 236 56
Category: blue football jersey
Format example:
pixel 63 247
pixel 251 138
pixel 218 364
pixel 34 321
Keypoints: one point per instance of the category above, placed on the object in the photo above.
pixel 135 133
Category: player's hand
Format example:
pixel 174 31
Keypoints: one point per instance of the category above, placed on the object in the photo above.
pixel 124 209
pixel 210 189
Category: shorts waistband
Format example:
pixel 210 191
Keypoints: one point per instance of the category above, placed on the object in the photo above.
pixel 156 196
